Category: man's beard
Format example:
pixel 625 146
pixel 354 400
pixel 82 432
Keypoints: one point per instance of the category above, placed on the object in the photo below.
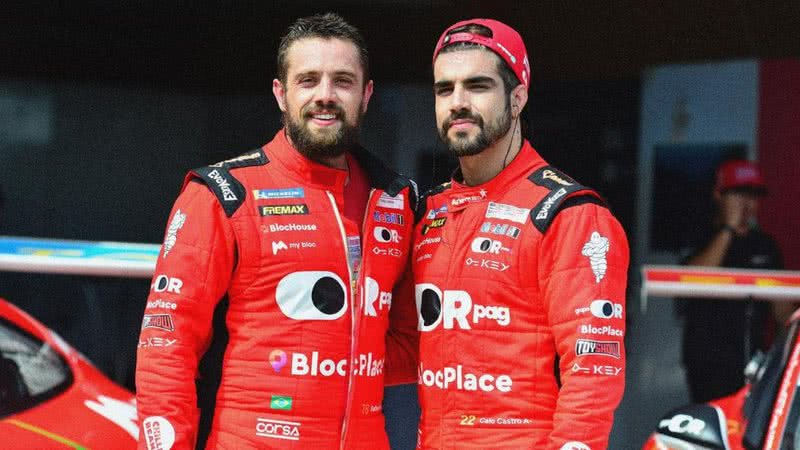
pixel 323 144
pixel 462 145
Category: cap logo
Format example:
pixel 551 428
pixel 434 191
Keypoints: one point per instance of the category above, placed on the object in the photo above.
pixel 505 50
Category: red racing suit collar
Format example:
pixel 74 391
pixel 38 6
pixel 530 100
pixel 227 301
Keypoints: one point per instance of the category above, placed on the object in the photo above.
pixel 460 195
pixel 309 173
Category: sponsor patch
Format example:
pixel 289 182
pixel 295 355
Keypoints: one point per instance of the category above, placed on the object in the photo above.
pixel 284 210
pixel 159 434
pixel 606 330
pixel 435 223
pixel 160 321
pixel 389 218
pixel 500 229
pixel 156 342
pixel 278 429
pixel 387 252
pixel 387 201
pixel 548 174
pixel 273 194
pixel 281 402
pixel 603 348
pixel 178 219
pixel 544 212
pixel 507 212
pixel 164 283
pixel 602 309
pixel 280 228
pixel 487 264
pixel 224 186
pixel 467 198
pixel 597 369
pixel 237 161
pixel 159 303
pixel 596 249
pixel 432 213
pixel 278 246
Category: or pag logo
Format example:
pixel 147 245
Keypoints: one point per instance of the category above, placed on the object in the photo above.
pixel 158 433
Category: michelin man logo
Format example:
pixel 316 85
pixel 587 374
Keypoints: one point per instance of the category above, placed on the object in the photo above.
pixel 596 250
pixel 172 231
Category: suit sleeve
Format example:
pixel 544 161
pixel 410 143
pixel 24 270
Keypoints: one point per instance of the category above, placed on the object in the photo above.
pixel 583 264
pixel 402 338
pixel 192 274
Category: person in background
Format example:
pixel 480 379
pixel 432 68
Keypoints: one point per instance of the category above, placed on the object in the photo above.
pixel 720 335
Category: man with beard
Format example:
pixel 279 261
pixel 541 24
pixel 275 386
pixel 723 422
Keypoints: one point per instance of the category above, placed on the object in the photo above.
pixel 519 271
pixel 262 291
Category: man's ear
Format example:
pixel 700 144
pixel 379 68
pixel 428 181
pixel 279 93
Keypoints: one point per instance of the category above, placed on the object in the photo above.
pixel 367 95
pixel 519 98
pixel 280 94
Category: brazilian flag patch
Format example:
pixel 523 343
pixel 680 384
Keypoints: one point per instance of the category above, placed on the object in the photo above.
pixel 280 402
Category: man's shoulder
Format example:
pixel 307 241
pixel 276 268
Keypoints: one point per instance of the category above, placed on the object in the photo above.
pixel 221 178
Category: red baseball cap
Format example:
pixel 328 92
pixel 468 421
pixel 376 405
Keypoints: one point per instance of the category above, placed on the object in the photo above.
pixel 505 42
pixel 740 174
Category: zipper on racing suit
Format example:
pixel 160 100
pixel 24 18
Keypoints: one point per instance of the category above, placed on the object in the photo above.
pixel 354 314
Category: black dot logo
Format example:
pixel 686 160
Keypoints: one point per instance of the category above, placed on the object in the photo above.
pixel 327 296
pixel 430 307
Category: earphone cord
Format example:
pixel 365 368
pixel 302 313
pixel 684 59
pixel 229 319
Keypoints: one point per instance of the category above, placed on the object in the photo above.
pixel 508 150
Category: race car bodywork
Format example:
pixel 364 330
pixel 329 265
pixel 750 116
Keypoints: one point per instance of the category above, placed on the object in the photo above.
pixel 52 397
pixel 764 414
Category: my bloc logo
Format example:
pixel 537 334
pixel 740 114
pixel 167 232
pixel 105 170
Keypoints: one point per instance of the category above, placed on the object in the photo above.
pixel 164 283
pixel 454 307
pixel 602 348
pixel 278 429
pixel 602 309
pixel 159 434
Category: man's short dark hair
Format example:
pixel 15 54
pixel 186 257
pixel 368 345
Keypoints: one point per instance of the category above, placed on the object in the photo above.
pixel 510 80
pixel 325 26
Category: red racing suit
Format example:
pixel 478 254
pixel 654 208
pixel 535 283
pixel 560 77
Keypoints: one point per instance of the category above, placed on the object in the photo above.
pixel 258 246
pixel 516 280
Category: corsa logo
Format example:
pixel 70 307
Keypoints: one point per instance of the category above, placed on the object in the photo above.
pixel 456 378
pixel 451 307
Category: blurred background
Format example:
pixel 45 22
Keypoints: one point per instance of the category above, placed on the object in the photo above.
pixel 105 105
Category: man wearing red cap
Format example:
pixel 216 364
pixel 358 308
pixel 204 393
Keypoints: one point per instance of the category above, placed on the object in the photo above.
pixel 519 271
pixel 731 329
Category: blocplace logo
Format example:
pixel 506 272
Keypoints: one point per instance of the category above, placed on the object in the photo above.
pixel 459 379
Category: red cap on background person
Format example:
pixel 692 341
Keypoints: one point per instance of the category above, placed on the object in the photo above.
pixel 505 42
pixel 740 174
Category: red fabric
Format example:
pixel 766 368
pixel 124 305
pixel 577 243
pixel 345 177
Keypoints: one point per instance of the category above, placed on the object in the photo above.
pixel 778 147
pixel 496 306
pixel 356 192
pixel 300 370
